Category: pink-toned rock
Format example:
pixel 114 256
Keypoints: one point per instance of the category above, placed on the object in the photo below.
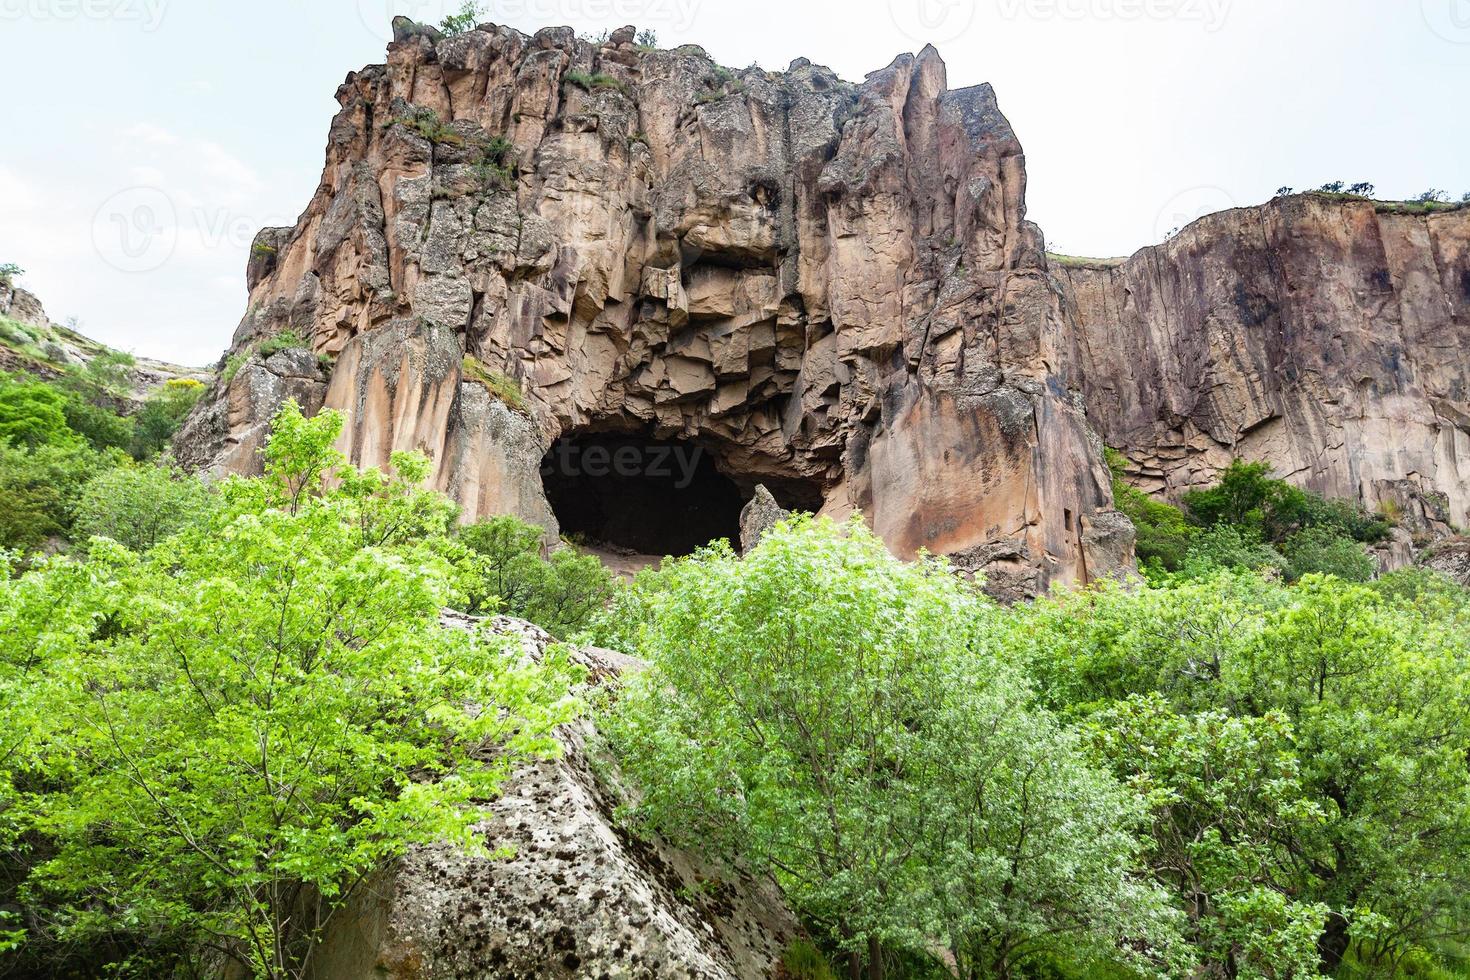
pixel 823 284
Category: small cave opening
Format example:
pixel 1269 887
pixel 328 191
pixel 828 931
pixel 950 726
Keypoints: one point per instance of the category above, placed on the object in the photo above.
pixel 652 497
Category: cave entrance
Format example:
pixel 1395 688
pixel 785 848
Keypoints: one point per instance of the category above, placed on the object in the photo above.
pixel 652 497
pixel 648 496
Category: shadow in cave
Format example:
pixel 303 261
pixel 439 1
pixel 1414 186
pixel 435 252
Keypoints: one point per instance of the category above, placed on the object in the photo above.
pixel 651 496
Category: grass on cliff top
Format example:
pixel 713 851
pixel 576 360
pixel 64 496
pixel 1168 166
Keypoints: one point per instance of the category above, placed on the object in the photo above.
pixel 1083 261
pixel 499 385
pixel 1388 207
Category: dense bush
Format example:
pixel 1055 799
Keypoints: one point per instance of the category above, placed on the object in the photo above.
pixel 848 723
pixel 210 745
pixel 562 593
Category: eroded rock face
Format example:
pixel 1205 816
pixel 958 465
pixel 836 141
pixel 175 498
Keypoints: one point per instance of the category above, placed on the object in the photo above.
pixel 823 283
pixel 578 897
pixel 1328 337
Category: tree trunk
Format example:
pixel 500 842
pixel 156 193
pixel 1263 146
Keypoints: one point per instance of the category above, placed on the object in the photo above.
pixel 1332 945
pixel 875 959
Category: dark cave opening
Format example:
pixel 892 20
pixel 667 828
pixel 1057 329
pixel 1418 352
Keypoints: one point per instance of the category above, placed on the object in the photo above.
pixel 652 496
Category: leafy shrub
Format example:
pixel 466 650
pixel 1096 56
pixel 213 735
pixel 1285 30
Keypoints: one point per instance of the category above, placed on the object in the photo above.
pixel 561 594
pixel 1227 546
pixel 1326 550
pixel 161 415
pixel 1163 532
pixel 8 272
pixel 39 490
pixel 32 413
pixel 221 739
pixel 139 506
pixel 843 720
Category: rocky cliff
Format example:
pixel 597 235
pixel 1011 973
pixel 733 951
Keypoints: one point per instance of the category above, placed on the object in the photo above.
pixel 829 288
pixel 1330 336
pixel 832 290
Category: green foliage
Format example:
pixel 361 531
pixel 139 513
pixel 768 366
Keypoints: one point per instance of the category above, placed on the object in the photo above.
pixel 32 413
pixel 426 123
pixel 211 745
pixel 804 961
pixel 561 594
pixel 282 340
pixel 161 415
pixel 9 271
pixel 139 506
pixel 1305 740
pixel 647 39
pixel 470 14
pixel 843 720
pixel 1228 546
pixel 1327 551
pixel 39 489
pixel 1163 533
pixel 498 384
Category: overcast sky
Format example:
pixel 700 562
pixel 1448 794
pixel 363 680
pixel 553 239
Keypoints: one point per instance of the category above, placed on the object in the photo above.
pixel 146 140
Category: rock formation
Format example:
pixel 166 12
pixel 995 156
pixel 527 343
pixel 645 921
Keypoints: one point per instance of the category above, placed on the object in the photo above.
pixel 520 243
pixel 1330 337
pixel 830 288
pixel 576 897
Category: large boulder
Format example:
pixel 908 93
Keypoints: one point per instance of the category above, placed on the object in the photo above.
pixel 578 895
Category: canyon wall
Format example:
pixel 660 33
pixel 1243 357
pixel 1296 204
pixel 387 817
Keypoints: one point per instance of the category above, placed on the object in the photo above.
pixel 830 287
pixel 1329 336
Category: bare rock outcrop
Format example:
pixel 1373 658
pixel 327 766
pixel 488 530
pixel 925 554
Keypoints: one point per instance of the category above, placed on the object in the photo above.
pixel 759 515
pixel 577 896
pixel 1327 336
pixel 826 285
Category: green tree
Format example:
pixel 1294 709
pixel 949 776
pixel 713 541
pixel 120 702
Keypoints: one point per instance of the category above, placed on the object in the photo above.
pixel 1373 688
pixel 139 506
pixel 32 413
pixel 235 729
pixel 162 413
pixel 39 490
pixel 835 717
pixel 562 593
pixel 1326 550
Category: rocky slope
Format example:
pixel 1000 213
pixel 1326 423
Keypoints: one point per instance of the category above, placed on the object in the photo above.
pixel 831 288
pixel 577 896
pixel 31 343
pixel 1329 336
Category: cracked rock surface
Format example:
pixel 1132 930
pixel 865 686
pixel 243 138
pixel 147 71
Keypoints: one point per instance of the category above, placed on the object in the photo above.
pixel 578 896
pixel 825 284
